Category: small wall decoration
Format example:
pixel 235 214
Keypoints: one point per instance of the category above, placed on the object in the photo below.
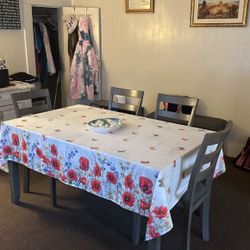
pixel 10 14
pixel 218 13
pixel 139 6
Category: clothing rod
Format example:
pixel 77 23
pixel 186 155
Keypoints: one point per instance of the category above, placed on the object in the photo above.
pixel 64 18
pixel 42 15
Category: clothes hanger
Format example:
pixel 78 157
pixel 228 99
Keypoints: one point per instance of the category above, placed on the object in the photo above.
pixel 77 16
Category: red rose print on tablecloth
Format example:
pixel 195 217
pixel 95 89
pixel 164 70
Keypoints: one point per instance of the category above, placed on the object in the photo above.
pixel 160 212
pixel 7 150
pixel 45 160
pixel 153 233
pixel 16 154
pixel 218 174
pixel 15 139
pixel 54 150
pixel 97 170
pixel 50 174
pixel 128 181
pixel 39 152
pixel 55 164
pixel 72 176
pixel 128 199
pixel 144 205
pixel 25 158
pixel 62 177
pixel 146 185
pixel 111 177
pixel 150 219
pixel 96 186
pixel 83 180
pixel 24 145
pixel 84 163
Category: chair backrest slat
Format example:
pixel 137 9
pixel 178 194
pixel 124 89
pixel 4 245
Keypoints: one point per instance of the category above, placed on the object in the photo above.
pixel 128 107
pixel 40 102
pixel 34 110
pixel 127 93
pixel 176 116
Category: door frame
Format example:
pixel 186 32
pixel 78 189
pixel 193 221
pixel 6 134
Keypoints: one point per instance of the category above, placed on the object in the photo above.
pixel 29 34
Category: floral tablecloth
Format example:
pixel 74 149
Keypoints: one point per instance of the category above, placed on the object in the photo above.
pixel 143 167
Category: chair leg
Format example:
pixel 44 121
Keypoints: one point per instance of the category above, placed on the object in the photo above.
pixel 154 244
pixel 205 219
pixel 26 181
pixel 136 228
pixel 187 230
pixel 53 191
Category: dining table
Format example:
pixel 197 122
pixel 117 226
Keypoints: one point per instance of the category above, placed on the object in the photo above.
pixel 143 165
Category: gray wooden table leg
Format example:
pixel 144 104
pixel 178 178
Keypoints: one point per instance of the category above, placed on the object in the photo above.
pixel 136 228
pixel 53 191
pixel 14 182
pixel 26 182
pixel 154 244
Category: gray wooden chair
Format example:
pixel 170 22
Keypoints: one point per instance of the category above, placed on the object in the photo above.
pixel 40 102
pixel 178 109
pixel 199 188
pixel 135 95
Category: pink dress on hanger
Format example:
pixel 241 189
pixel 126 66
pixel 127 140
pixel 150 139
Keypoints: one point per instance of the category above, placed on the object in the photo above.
pixel 84 72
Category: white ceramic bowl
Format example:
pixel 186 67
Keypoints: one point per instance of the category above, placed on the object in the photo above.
pixel 105 125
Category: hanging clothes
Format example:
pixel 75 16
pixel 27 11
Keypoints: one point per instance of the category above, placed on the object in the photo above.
pixel 46 42
pixel 72 27
pixel 40 55
pixel 84 72
pixel 54 41
pixel 38 47
pixel 47 53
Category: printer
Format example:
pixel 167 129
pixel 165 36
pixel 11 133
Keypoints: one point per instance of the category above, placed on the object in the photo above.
pixel 4 74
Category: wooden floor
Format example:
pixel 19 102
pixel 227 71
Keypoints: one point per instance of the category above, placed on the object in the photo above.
pixel 83 221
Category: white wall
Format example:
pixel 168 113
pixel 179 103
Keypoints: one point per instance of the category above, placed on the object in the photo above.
pixel 12 50
pixel 160 53
pixel 12 42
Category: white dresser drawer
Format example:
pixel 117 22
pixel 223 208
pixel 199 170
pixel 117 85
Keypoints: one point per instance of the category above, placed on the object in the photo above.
pixel 7 95
pixel 10 114
pixel 4 102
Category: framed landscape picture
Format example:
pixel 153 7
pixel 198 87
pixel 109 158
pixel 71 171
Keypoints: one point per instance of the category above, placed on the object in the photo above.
pixel 218 12
pixel 139 6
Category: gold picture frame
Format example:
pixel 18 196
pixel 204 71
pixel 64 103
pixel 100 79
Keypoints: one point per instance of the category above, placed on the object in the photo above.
pixel 215 13
pixel 139 6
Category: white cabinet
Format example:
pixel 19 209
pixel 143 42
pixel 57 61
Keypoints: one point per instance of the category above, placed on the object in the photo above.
pixel 6 105
pixel 7 111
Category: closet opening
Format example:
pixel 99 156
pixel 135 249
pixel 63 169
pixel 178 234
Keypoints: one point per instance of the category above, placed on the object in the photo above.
pixel 47 54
